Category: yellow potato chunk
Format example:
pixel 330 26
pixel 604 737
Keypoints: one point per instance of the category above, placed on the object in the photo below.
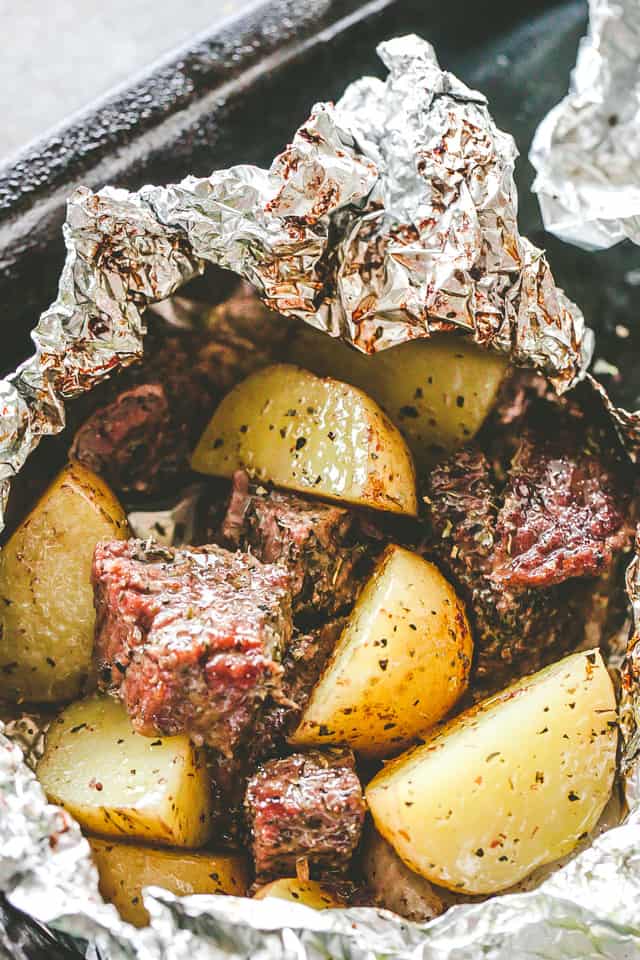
pixel 46 599
pixel 125 868
pixel 437 391
pixel 511 784
pixel 400 665
pixel 311 893
pixel 286 426
pixel 118 783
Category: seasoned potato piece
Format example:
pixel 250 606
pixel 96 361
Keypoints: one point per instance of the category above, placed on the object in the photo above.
pixel 400 665
pixel 309 892
pixel 437 391
pixel 125 868
pixel 287 426
pixel 116 782
pixel 46 599
pixel 511 784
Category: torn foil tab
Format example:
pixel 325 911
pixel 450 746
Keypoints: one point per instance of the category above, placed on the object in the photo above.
pixel 170 526
pixel 587 149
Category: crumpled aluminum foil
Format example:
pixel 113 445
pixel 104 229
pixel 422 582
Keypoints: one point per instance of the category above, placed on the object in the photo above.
pixel 587 149
pixel 172 525
pixel 391 216
pixel 586 909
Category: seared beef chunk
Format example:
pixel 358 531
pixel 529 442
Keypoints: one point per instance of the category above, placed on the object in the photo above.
pixel 241 335
pixel 146 421
pixel 303 662
pixel 563 516
pixel 517 545
pixel 190 639
pixel 132 442
pixel 302 665
pixel 315 540
pixel 307 807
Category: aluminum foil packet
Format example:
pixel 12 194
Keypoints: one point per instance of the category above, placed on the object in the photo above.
pixel 391 216
pixel 587 149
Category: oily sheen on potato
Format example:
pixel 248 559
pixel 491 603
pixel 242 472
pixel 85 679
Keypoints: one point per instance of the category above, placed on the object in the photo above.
pixel 118 783
pixel 46 599
pixel 125 868
pixel 437 391
pixel 511 784
pixel 400 665
pixel 311 893
pixel 316 435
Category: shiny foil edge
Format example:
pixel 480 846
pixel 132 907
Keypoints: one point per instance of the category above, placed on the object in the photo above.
pixel 586 151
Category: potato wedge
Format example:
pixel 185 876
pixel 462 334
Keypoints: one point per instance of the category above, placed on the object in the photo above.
pixel 287 426
pixel 46 599
pixel 118 783
pixel 438 391
pixel 511 784
pixel 125 868
pixel 311 893
pixel 400 665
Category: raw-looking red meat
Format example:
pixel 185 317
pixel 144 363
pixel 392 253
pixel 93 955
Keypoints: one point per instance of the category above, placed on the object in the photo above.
pixel 190 639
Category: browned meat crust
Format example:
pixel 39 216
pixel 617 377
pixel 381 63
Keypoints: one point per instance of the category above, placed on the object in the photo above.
pixel 564 512
pixel 190 639
pixel 302 665
pixel 521 545
pixel 318 542
pixel 133 442
pixel 306 807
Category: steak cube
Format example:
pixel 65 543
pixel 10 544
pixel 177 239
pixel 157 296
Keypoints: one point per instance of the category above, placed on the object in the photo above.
pixel 133 442
pixel 316 541
pixel 525 543
pixel 302 665
pixel 307 807
pixel 190 639
pixel 564 512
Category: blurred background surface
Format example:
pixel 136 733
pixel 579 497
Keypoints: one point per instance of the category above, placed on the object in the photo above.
pixel 56 56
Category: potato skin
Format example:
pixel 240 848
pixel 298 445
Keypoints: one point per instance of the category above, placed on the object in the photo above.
pixel 311 893
pixel 286 426
pixel 509 785
pixel 46 599
pixel 117 783
pixel 437 391
pixel 125 868
pixel 400 665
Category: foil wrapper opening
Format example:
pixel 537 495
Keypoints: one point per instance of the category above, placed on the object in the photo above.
pixel 587 149
pixel 391 216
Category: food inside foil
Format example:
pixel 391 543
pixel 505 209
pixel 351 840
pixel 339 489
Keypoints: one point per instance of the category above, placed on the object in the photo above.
pixel 587 149
pixel 303 631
